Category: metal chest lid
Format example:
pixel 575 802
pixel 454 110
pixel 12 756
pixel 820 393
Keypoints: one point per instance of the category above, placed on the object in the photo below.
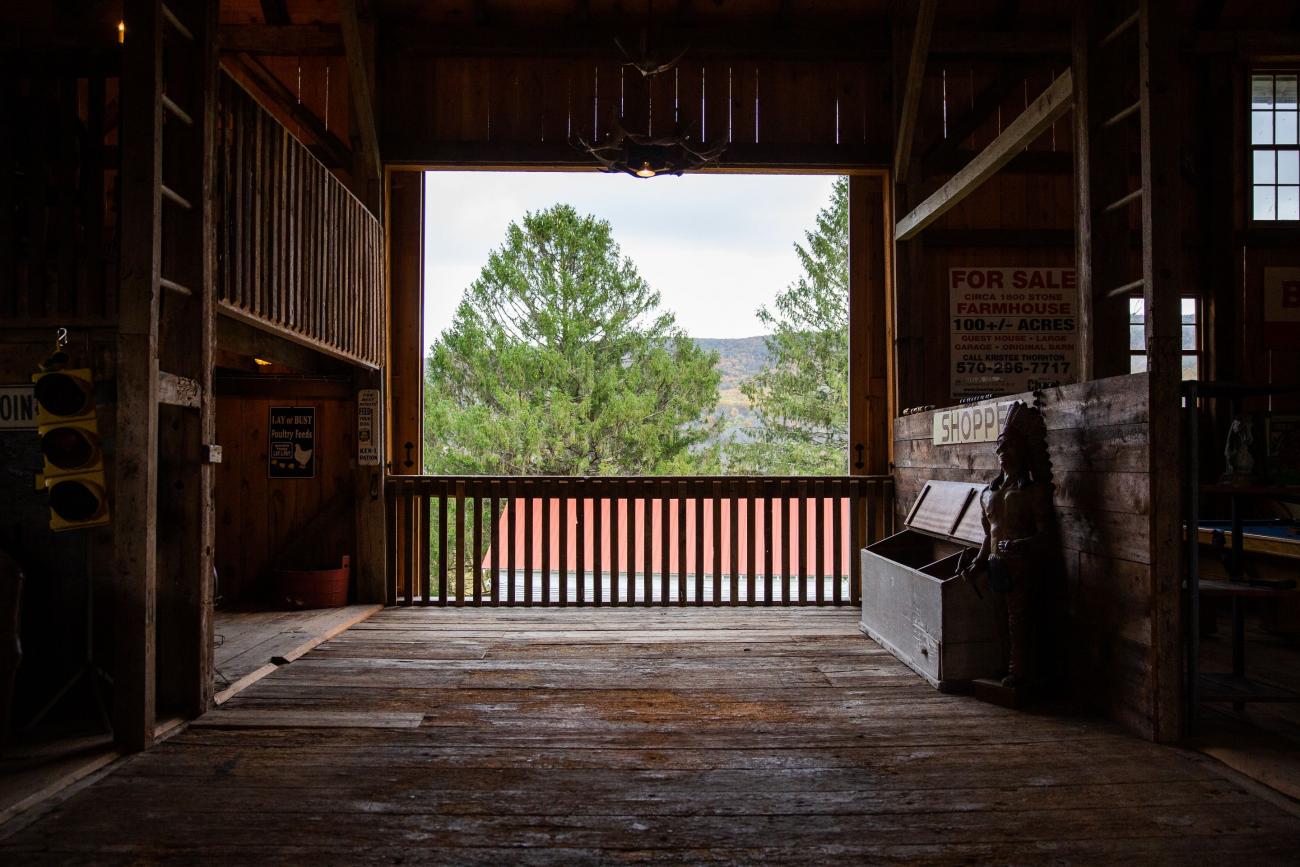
pixel 949 509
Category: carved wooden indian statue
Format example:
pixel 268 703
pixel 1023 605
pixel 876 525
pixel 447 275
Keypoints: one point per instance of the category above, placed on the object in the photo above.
pixel 1019 527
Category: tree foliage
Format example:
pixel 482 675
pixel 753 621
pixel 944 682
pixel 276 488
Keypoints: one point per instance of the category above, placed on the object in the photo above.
pixel 801 397
pixel 559 361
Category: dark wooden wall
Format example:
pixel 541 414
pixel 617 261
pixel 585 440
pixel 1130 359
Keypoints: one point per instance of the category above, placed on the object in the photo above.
pixel 261 521
pixel 1097 438
pixel 524 110
pixel 58 174
pixel 1021 217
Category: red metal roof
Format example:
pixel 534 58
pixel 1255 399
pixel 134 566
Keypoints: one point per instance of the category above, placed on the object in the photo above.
pixel 510 529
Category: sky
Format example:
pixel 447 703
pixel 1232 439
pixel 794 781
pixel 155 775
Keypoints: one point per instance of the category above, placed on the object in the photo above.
pixel 714 246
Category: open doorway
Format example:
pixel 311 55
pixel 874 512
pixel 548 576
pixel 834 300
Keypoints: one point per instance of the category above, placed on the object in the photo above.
pixel 589 324
pixel 637 393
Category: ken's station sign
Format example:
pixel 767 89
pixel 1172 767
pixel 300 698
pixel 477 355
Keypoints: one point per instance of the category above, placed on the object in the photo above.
pixel 1013 329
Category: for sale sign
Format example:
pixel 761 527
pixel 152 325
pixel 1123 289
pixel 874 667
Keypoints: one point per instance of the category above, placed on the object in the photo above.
pixel 1013 329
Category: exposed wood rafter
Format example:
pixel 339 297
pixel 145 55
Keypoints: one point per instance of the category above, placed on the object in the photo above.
pixel 911 101
pixel 293 39
pixel 1041 113
pixel 359 88
pixel 328 148
pixel 985 104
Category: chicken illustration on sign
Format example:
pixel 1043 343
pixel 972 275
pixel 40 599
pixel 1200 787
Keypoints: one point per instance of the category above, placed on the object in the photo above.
pixel 291 442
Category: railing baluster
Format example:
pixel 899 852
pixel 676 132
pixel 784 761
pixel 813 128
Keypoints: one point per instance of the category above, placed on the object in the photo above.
pixel 426 572
pixel 477 552
pixel 580 535
pixel 529 489
pixel 547 501
pixel 460 543
pixel 613 547
pixel 801 501
pixel 597 544
pixel 408 554
pixel 665 543
pixel 444 547
pixel 647 544
pixel 717 543
pixel 837 537
pixel 697 514
pixel 681 543
pixel 751 556
pixel 565 525
pixel 785 543
pixel 630 530
pixel 512 530
pixel 733 542
pixel 390 545
pixel 494 560
pixel 819 510
pixel 855 538
pixel 767 550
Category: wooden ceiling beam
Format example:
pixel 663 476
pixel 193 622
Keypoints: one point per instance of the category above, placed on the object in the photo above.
pixel 1022 43
pixel 985 104
pixel 362 102
pixel 792 42
pixel 292 39
pixel 1041 113
pixel 328 148
pixel 911 102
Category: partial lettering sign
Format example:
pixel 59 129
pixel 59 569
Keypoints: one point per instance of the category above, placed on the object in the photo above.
pixel 291 448
pixel 368 427
pixel 17 407
pixel 1281 307
pixel 1013 329
pixel 978 423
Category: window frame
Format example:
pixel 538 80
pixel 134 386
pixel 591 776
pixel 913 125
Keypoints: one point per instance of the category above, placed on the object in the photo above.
pixel 1198 322
pixel 1248 199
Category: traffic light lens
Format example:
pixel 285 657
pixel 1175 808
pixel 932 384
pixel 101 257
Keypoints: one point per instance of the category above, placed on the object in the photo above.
pixel 68 448
pixel 74 501
pixel 63 395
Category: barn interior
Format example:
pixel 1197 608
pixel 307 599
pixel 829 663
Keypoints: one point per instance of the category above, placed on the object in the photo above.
pixel 212 224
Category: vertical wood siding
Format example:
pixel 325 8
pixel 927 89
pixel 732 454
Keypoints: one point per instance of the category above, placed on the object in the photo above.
pixel 296 250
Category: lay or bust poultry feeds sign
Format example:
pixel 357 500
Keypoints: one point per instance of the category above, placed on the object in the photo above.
pixel 1013 329
pixel 291 451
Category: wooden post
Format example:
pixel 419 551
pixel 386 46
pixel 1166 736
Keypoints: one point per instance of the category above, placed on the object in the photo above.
pixel 405 378
pixel 370 565
pixel 1082 133
pixel 869 411
pixel 136 461
pixel 911 100
pixel 1161 266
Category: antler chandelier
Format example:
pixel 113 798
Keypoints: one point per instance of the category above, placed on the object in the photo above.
pixel 647 156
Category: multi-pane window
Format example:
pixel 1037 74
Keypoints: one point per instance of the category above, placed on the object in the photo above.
pixel 1137 337
pixel 1274 148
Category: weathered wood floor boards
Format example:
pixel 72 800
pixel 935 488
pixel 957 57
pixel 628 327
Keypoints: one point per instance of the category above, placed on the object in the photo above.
pixel 588 737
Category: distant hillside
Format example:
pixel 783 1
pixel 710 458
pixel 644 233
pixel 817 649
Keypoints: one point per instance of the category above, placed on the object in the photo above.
pixel 739 359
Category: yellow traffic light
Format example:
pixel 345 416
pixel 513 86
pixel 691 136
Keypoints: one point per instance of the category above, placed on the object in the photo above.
pixel 70 446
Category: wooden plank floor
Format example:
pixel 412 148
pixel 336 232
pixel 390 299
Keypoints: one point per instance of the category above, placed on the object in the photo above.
pixel 662 736
pixel 246 641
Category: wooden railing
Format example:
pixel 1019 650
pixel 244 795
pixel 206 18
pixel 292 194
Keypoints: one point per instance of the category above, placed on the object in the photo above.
pixel 296 250
pixel 489 540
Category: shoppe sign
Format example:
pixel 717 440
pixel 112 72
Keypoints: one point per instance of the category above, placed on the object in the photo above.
pixel 1013 329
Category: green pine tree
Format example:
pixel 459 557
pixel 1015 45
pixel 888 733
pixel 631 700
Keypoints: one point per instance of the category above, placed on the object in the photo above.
pixel 801 398
pixel 560 361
